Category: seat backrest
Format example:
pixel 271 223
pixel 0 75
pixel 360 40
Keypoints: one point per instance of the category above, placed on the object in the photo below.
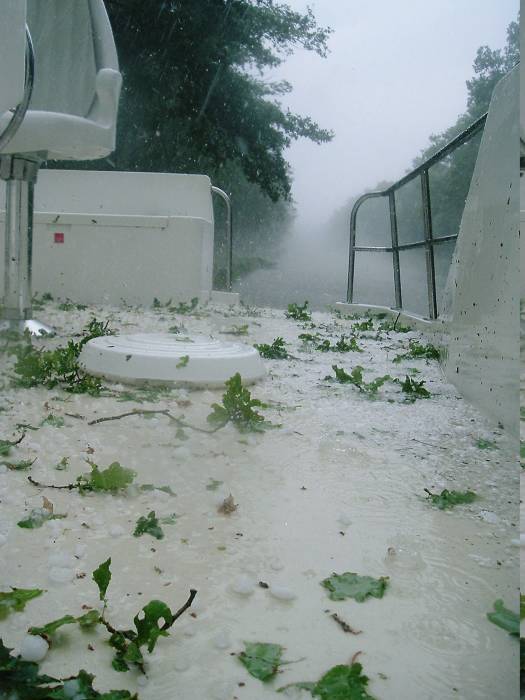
pixel 65 57
pixel 12 53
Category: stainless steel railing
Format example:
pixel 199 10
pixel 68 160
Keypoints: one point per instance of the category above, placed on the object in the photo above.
pixel 429 241
pixel 229 234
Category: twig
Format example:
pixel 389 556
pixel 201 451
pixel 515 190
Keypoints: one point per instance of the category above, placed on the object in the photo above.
pixel 69 487
pixel 429 444
pixel 161 411
pixel 181 610
pixel 344 625
pixel 354 657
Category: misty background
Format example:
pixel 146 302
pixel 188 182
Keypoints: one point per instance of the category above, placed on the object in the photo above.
pixel 396 73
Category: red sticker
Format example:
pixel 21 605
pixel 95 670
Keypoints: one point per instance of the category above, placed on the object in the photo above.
pixel 59 237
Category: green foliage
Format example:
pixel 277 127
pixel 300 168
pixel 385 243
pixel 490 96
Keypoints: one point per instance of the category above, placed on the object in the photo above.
pixel 148 525
pixel 21 465
pixel 275 351
pixel 54 421
pixel 237 330
pixel 351 585
pixel 417 351
pixel 448 499
pixel 339 683
pixel 183 361
pixel 238 407
pixel 69 305
pixel 261 660
pixel 298 313
pixel 52 627
pixel 414 389
pixel 39 303
pixel 483 444
pixel 392 326
pixel 505 618
pixel 15 600
pixel 213 485
pixel 62 465
pixel 366 325
pixel 356 378
pixel 112 479
pixel 102 577
pixel 184 308
pixel 128 643
pixel 59 367
pixel 344 345
pixel 37 517
pixel 6 445
pixel 20 680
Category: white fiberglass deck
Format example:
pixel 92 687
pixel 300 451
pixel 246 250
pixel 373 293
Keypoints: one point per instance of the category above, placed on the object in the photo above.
pixel 339 487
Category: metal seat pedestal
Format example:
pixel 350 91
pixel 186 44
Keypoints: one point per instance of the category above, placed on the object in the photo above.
pixel 20 174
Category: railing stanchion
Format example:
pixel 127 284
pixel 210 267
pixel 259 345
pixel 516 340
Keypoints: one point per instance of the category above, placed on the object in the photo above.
pixel 395 248
pixel 429 248
pixel 351 259
pixel 229 232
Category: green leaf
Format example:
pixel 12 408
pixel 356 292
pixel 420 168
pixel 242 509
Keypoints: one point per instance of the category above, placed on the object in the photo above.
pixel 55 421
pixel 15 600
pixel 275 351
pixel 52 627
pixel 63 464
pixel 149 623
pixel 20 680
pixel 20 466
pixel 505 618
pixel 148 525
pixel 183 361
pixel 298 313
pixel 238 407
pixel 37 517
pixel 169 519
pixel 213 485
pixel 343 683
pixel 486 444
pixel 414 389
pixel 89 619
pixel 351 585
pixel 102 576
pixel 522 607
pixel 261 660
pixel 449 499
pixel 417 351
pixel 356 378
pixel 152 487
pixel 114 478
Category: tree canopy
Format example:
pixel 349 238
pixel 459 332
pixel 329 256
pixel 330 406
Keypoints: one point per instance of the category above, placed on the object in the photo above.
pixel 195 97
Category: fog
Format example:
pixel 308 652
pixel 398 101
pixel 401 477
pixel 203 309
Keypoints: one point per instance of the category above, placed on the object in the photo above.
pixel 395 74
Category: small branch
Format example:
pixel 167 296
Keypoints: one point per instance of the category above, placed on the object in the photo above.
pixel 69 487
pixel 148 412
pixel 354 657
pixel 429 444
pixel 344 625
pixel 180 611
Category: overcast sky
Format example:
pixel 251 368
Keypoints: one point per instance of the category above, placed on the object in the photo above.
pixel 395 74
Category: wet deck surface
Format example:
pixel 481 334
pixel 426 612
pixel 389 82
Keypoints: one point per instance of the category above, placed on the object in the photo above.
pixel 338 487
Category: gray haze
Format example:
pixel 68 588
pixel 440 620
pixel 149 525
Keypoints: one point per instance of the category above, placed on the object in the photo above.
pixel 396 73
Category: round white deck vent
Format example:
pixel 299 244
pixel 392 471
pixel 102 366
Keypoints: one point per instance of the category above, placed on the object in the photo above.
pixel 162 358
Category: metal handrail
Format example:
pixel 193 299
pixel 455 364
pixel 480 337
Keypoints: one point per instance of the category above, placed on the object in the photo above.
pixel 229 230
pixel 429 240
pixel 21 109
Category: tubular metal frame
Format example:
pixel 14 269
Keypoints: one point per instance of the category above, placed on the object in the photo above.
pixel 229 230
pixel 429 240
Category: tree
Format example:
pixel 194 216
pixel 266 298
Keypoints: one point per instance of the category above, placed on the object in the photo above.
pixel 194 96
